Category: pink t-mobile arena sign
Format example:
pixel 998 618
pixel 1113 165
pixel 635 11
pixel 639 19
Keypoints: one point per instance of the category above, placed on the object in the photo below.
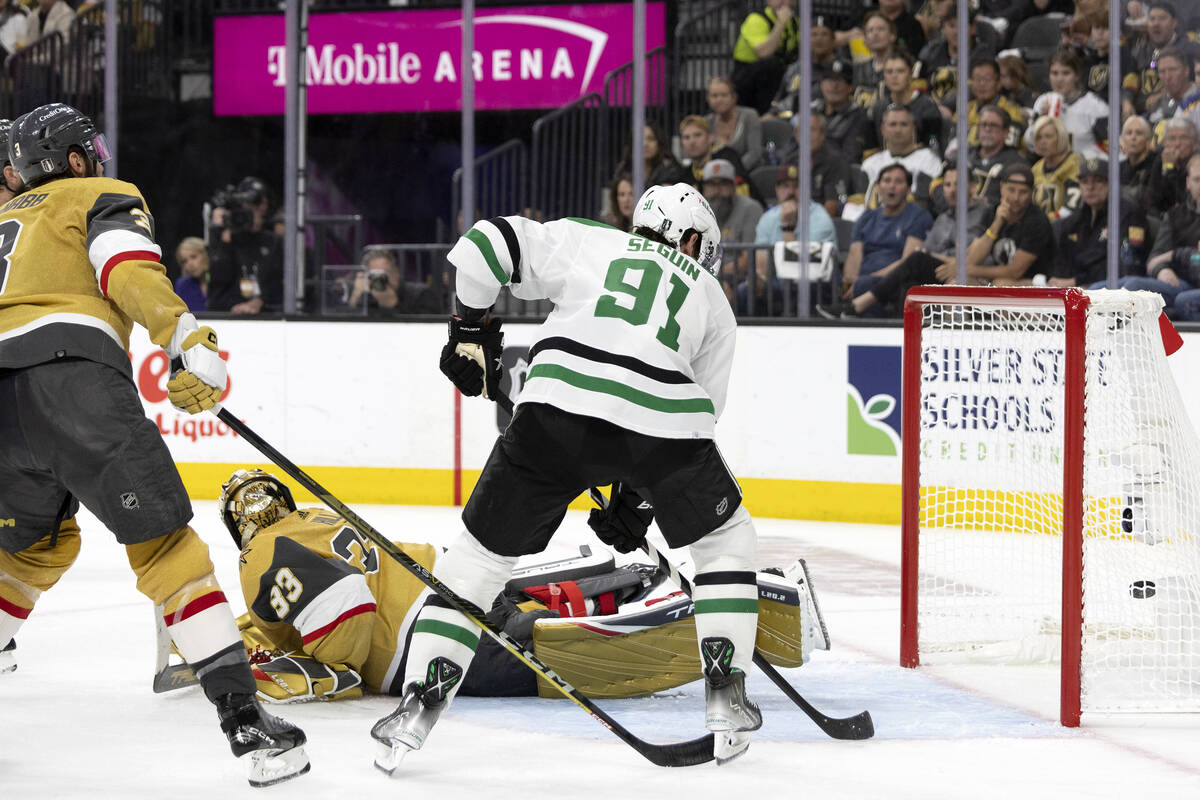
pixel 376 61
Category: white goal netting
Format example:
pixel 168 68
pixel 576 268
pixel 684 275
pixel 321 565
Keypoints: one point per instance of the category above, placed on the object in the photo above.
pixel 990 519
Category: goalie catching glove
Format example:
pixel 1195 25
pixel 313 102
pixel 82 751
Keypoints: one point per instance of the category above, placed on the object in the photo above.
pixel 471 359
pixel 297 678
pixel 197 370
pixel 623 522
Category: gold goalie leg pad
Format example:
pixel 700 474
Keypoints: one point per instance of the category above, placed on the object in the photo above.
pixel 644 650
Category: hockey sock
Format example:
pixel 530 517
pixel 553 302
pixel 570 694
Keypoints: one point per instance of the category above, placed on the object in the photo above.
pixel 175 572
pixel 726 587
pixel 474 573
pixel 28 573
pixel 203 629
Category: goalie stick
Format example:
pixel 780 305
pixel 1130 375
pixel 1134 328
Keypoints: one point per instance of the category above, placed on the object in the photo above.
pixel 859 726
pixel 677 754
pixel 167 676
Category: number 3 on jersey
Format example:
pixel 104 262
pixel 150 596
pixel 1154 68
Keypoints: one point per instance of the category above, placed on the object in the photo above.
pixel 287 590
pixel 10 232
pixel 649 275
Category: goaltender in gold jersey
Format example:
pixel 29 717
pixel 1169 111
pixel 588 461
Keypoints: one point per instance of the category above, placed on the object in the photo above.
pixel 331 616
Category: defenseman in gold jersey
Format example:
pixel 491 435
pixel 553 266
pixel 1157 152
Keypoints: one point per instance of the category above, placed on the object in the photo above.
pixel 78 267
pixel 338 615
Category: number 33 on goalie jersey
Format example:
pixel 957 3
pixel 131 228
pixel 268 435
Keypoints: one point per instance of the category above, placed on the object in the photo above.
pixel 313 583
pixel 640 335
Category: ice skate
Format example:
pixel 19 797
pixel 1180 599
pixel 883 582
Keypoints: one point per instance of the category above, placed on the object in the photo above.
pixel 8 657
pixel 272 748
pixel 730 714
pixel 407 728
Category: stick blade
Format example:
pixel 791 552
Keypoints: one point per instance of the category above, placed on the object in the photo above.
pixel 679 754
pixel 176 676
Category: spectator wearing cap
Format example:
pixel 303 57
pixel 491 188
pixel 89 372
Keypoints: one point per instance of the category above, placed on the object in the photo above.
pixel 1137 157
pixel 1083 113
pixel 899 89
pixel 1081 257
pixel 1178 95
pixel 901 147
pixel 884 235
pixel 699 148
pixel 1166 185
pixel 845 121
pixel 937 63
pixel 1056 173
pixel 823 47
pixel 737 215
pixel 779 223
pixel 1174 266
pixel 767 42
pixel 829 170
pixel 734 126
pixel 1016 240
pixel 1141 76
pixel 920 265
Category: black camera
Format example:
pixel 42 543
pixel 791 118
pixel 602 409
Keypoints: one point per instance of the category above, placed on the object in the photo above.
pixel 377 280
pixel 237 202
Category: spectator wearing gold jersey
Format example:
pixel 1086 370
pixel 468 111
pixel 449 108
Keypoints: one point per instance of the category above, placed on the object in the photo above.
pixel 1056 172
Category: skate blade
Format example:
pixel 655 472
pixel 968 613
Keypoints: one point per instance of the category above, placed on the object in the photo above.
pixel 7 664
pixel 728 745
pixel 389 754
pixel 269 767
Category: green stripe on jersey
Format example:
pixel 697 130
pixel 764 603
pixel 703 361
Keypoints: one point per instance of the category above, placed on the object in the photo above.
pixel 690 405
pixel 448 630
pixel 728 605
pixel 480 240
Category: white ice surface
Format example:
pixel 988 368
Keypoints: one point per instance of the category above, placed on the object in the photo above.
pixel 78 718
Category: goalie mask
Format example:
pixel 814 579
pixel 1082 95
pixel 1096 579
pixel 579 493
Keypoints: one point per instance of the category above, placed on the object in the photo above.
pixel 252 500
pixel 672 211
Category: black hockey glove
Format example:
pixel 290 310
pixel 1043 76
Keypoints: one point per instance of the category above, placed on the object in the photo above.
pixel 471 359
pixel 623 522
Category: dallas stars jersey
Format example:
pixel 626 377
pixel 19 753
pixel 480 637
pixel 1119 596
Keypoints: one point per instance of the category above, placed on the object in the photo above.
pixel 640 335
pixel 313 583
pixel 78 266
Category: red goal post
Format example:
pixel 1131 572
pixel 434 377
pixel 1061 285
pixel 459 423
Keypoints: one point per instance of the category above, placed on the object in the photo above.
pixel 1030 511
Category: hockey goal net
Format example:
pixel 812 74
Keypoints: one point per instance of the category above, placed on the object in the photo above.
pixel 1051 493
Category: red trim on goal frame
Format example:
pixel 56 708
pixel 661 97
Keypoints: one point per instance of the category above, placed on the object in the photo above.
pixel 1074 303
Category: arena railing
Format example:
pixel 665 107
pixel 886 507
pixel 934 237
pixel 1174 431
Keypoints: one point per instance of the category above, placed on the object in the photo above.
pixel 35 75
pixel 501 182
pixel 570 163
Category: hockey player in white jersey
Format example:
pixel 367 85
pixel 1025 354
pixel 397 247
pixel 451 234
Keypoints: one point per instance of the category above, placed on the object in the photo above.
pixel 626 381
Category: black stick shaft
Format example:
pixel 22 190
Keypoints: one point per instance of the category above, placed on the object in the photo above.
pixel 681 754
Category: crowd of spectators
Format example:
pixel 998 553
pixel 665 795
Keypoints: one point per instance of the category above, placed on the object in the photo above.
pixel 883 130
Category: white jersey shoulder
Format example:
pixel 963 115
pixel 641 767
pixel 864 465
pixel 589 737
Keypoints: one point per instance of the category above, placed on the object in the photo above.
pixel 640 335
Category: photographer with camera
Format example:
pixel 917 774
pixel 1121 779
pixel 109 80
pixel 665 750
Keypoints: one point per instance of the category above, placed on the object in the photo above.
pixel 385 292
pixel 245 252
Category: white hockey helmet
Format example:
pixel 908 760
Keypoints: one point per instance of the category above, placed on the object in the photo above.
pixel 672 211
pixel 252 500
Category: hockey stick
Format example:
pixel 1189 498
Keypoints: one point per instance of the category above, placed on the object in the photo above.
pixel 168 677
pixel 859 726
pixel 678 754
